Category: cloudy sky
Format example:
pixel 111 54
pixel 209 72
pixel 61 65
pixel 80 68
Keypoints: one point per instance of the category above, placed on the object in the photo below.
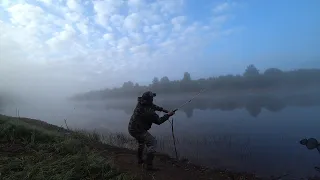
pixel 73 45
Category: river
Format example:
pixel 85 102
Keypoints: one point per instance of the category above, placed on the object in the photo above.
pixel 256 133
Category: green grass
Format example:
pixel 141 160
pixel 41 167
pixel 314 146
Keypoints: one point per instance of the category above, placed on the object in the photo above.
pixel 31 149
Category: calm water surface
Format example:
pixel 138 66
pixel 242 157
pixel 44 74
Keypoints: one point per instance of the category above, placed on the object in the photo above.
pixel 249 133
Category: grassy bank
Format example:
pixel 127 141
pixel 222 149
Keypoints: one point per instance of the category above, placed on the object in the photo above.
pixel 33 149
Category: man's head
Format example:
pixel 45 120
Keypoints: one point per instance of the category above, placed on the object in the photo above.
pixel 148 97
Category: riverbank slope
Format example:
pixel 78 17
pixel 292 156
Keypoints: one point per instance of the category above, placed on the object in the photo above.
pixel 33 149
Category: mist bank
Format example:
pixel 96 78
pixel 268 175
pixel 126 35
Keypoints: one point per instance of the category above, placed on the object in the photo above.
pixel 251 81
pixel 6 99
pixel 253 104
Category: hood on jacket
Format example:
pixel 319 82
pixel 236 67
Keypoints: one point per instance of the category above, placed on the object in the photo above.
pixel 143 101
pixel 146 98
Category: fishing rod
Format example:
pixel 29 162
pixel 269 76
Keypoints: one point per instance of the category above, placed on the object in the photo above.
pixel 201 91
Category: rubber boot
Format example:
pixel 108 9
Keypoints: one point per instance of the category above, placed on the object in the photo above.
pixel 149 162
pixel 140 155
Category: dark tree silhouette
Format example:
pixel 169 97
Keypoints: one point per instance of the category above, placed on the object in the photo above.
pixel 165 80
pixel 251 80
pixel 128 85
pixel 155 81
pixel 273 72
pixel 251 71
pixel 186 77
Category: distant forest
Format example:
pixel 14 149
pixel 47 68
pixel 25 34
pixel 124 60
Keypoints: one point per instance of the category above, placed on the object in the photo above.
pixel 252 79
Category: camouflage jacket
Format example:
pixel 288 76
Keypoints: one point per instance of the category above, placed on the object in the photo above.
pixel 144 116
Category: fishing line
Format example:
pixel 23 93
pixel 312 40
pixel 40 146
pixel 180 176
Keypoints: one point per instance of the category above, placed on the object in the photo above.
pixel 201 91
pixel 171 122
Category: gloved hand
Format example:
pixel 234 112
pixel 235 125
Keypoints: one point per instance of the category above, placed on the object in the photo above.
pixel 166 111
pixel 171 113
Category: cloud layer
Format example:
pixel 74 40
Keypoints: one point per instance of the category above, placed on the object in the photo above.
pixel 73 44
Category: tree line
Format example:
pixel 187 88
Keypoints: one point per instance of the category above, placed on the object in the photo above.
pixel 251 79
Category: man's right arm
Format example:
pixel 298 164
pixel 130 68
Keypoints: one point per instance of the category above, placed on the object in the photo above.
pixel 159 120
pixel 154 117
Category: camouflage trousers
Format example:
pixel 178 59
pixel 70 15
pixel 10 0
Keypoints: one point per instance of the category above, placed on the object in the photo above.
pixel 145 139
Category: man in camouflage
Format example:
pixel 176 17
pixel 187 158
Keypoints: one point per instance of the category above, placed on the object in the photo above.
pixel 141 121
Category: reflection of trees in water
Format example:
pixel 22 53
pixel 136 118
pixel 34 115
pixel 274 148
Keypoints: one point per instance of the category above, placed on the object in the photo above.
pixel 253 109
pixel 253 104
pixel 188 111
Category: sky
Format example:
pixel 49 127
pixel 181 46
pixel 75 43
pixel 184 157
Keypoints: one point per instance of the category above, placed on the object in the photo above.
pixel 67 46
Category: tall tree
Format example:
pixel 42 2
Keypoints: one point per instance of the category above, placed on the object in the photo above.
pixel 186 77
pixel 155 81
pixel 251 71
pixel 164 80
pixel 128 85
pixel 186 83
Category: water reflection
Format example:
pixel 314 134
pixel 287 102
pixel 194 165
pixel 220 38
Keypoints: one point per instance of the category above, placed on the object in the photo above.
pixel 253 104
